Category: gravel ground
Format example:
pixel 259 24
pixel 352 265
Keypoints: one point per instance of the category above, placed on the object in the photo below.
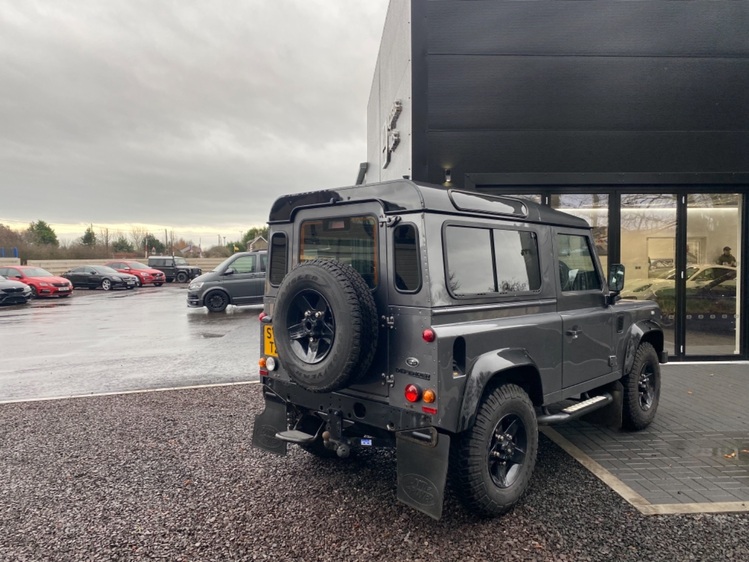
pixel 172 476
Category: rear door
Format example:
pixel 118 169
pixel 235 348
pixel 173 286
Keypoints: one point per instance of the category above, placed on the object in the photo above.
pixel 587 323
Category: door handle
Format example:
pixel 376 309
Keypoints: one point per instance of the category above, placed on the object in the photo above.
pixel 574 332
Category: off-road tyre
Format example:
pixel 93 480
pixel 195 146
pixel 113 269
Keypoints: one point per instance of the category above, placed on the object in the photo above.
pixel 322 321
pixel 182 277
pixel 493 461
pixel 216 301
pixel 642 389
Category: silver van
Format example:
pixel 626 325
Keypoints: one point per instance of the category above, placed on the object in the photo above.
pixel 238 280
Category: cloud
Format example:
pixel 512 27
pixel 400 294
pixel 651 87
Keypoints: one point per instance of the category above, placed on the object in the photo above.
pixel 182 112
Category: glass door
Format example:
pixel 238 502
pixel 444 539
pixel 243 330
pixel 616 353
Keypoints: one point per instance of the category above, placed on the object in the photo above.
pixel 711 319
pixel 648 252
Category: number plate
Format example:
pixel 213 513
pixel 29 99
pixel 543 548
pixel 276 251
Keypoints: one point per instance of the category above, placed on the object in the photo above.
pixel 269 345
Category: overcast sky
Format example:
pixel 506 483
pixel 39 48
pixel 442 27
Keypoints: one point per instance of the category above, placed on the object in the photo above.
pixel 182 114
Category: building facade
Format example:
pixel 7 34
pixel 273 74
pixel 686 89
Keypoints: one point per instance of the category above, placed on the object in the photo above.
pixel 631 114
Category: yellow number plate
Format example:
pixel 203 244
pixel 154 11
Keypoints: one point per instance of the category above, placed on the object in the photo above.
pixel 269 344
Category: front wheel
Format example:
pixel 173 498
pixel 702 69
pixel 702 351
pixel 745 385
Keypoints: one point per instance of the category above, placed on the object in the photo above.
pixel 642 388
pixel 182 277
pixel 216 301
pixel 34 292
pixel 106 284
pixel 495 458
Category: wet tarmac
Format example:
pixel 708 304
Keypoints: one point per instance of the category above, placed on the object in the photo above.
pixel 96 342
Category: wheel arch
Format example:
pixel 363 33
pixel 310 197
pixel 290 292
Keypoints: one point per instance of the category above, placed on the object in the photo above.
pixel 512 365
pixel 644 331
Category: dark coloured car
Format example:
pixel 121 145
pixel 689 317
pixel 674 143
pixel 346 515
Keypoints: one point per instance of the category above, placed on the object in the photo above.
pixel 100 277
pixel 145 275
pixel 14 292
pixel 238 280
pixel 175 268
pixel 447 325
pixel 710 307
pixel 41 281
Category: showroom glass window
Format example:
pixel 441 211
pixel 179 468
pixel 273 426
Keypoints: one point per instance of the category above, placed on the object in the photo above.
pixel 594 209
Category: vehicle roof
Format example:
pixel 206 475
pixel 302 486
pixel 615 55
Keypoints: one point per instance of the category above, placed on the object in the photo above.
pixel 404 196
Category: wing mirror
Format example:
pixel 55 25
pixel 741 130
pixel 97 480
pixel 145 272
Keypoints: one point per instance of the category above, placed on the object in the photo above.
pixel 616 278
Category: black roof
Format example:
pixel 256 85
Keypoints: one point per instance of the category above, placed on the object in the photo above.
pixel 404 196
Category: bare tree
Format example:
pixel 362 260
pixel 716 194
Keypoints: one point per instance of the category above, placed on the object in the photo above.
pixel 138 236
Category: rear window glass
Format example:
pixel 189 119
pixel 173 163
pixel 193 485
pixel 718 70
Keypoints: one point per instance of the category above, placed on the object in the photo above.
pixel 349 240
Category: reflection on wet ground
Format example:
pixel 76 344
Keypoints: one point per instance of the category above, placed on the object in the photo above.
pixel 96 341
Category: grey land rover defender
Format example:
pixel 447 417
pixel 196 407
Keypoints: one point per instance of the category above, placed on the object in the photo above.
pixel 447 324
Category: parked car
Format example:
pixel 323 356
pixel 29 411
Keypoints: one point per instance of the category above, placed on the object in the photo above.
pixel 41 281
pixel 14 292
pixel 697 276
pixel 447 325
pixel 710 307
pixel 238 280
pixel 95 276
pixel 145 275
pixel 175 268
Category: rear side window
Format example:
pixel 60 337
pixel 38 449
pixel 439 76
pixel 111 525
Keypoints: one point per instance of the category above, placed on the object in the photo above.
pixel 349 240
pixel 278 261
pixel 406 258
pixel 485 261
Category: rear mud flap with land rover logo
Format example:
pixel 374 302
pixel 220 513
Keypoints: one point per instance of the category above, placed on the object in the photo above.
pixel 267 424
pixel 423 456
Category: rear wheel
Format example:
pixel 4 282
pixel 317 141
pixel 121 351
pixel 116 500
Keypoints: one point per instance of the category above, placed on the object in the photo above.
pixel 495 458
pixel 642 388
pixel 216 301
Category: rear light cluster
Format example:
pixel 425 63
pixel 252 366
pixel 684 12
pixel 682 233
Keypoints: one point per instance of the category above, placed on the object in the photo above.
pixel 414 394
pixel 266 364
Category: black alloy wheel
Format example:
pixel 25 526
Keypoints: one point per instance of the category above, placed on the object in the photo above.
pixel 494 459
pixel 642 388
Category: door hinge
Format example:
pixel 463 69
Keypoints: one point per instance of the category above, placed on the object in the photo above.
pixel 388 322
pixel 388 380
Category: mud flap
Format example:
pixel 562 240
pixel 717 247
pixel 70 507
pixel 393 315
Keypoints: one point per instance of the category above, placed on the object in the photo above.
pixel 267 424
pixel 423 456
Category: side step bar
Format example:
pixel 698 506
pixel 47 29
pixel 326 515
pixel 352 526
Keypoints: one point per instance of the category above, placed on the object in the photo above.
pixel 576 410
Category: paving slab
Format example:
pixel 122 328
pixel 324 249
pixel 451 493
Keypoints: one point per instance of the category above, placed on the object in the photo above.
pixel 694 458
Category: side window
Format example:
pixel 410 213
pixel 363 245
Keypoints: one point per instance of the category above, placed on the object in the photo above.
pixel 577 271
pixel 245 264
pixel 278 258
pixel 516 255
pixel 349 240
pixel 407 265
pixel 470 265
pixel 483 261
pixel 263 262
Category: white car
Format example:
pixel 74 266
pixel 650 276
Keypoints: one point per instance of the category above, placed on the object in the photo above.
pixel 697 276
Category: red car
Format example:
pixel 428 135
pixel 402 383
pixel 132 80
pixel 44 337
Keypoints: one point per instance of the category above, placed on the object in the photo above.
pixel 41 281
pixel 146 275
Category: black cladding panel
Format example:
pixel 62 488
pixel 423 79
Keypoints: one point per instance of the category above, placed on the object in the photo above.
pixel 582 87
